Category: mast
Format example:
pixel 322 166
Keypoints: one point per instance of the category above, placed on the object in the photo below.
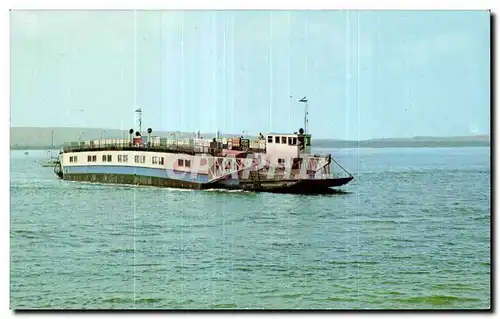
pixel 52 144
pixel 306 121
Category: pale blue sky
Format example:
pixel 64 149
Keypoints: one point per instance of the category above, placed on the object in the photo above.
pixel 367 74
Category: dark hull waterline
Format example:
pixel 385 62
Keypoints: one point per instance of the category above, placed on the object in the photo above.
pixel 312 186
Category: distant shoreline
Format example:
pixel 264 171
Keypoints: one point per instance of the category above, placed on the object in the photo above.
pixel 402 144
pixel 34 148
pixel 349 145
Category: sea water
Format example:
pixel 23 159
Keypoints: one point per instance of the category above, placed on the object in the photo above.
pixel 411 231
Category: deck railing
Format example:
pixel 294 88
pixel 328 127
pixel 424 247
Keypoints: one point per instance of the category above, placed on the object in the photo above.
pixel 164 145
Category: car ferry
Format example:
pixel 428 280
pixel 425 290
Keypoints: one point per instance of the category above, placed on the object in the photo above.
pixel 276 162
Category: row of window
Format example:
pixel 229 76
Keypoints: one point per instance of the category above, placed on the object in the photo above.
pixel 140 159
pixel 290 140
pixel 158 160
pixel 105 158
pixel 122 159
pixel 183 163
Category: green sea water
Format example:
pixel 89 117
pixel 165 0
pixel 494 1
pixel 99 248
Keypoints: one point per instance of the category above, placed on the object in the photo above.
pixel 412 231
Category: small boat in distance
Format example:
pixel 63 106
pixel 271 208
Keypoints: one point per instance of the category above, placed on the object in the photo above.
pixel 277 162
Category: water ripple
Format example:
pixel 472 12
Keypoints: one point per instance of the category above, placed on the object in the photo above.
pixel 411 232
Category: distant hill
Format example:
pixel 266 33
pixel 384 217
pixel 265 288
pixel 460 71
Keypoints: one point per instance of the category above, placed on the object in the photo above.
pixel 420 141
pixel 40 138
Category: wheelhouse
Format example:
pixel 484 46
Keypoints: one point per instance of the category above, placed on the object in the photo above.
pixel 289 144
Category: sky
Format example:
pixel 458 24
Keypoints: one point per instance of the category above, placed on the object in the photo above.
pixel 366 74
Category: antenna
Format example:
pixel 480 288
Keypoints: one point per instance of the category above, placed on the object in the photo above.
pixel 306 121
